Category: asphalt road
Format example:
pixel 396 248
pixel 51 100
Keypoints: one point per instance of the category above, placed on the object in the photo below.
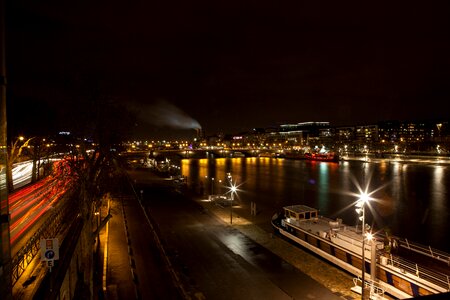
pixel 212 259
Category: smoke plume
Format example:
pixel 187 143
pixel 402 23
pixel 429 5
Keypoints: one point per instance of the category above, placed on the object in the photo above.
pixel 164 114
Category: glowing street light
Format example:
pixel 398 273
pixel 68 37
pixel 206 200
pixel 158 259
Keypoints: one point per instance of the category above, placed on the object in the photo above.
pixel 233 190
pixel 360 210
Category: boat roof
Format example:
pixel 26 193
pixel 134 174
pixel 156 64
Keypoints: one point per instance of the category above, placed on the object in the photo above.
pixel 299 208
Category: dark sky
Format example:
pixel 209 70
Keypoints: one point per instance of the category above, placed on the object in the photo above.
pixel 230 65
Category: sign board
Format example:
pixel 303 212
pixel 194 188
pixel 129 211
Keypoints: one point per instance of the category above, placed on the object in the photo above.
pixel 49 249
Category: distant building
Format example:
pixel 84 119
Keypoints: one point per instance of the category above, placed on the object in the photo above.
pixel 300 134
pixel 386 136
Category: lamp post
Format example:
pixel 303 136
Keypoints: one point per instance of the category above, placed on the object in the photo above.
pixel 360 210
pixel 212 184
pixel 233 190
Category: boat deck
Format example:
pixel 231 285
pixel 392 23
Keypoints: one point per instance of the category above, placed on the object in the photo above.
pixel 323 224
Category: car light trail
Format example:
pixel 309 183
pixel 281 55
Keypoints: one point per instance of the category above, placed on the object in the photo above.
pixel 29 204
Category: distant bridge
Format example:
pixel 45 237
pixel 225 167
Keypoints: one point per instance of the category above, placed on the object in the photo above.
pixel 200 153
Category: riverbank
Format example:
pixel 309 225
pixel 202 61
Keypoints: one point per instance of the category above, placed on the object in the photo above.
pixel 399 159
pixel 336 280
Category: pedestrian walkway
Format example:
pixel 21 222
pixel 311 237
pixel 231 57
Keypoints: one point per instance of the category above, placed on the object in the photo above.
pixel 133 267
pixel 117 272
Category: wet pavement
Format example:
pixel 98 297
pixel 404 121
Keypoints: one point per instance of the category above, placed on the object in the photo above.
pixel 337 281
pixel 216 261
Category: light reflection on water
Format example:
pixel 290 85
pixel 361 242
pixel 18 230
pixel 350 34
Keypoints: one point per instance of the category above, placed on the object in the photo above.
pixel 412 200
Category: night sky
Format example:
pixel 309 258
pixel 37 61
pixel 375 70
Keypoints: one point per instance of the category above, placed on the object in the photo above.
pixel 228 66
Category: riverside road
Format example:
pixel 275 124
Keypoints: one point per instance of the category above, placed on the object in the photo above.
pixel 208 259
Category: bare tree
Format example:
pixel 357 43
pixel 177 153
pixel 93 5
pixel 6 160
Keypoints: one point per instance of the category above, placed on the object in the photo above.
pixel 14 153
pixel 41 151
pixel 99 125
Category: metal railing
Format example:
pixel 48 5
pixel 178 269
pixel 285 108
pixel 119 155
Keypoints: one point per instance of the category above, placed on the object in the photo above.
pixel 424 250
pixel 405 266
pixel 372 286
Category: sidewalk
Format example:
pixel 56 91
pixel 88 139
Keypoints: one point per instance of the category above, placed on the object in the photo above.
pixel 117 279
pixel 133 267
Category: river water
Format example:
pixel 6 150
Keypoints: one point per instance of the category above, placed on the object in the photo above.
pixel 411 200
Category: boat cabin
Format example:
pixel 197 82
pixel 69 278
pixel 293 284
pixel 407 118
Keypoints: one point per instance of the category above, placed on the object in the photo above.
pixel 300 212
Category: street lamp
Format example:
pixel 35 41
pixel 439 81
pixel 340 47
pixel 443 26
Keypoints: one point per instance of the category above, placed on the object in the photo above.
pixel 360 210
pixel 230 179
pixel 233 190
pixel 212 184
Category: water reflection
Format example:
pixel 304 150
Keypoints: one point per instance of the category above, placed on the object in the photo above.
pixel 438 204
pixel 411 199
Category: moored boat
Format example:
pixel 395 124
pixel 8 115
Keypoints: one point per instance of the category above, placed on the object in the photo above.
pixel 341 245
pixel 329 156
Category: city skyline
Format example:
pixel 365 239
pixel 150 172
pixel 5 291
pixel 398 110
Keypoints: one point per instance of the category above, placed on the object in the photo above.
pixel 385 132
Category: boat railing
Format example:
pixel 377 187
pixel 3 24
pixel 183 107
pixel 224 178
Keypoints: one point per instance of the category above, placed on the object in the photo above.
pixel 405 266
pixel 372 286
pixel 424 250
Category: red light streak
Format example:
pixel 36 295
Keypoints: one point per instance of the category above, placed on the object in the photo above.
pixel 32 202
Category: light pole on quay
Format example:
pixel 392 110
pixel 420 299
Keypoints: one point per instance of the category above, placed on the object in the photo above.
pixel 233 190
pixel 212 184
pixel 360 210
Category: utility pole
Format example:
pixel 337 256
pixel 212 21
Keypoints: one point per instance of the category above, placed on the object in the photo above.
pixel 5 247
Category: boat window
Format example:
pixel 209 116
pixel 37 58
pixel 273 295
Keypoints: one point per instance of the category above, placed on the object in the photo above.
pixel 301 216
pixel 307 215
pixel 313 214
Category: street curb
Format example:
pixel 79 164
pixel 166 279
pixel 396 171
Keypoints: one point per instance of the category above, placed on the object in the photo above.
pixel 130 254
